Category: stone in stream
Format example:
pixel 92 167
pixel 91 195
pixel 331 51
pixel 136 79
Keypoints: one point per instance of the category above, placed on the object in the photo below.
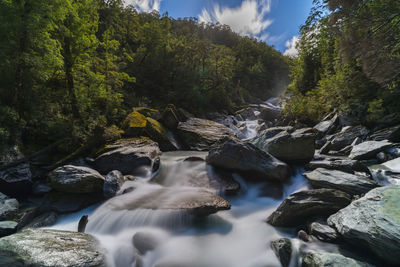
pixel 353 184
pixel 292 147
pixel 82 223
pixel 373 223
pixel 248 159
pixel 38 247
pixel 145 241
pixel 112 184
pixel 172 116
pixel 197 201
pixel 7 228
pixel 128 155
pixel 199 134
pixel 369 149
pixel 303 205
pixel 346 136
pixel 345 165
pixel 46 219
pixel 65 202
pixel 327 126
pixel 392 134
pixel 8 207
pixel 282 248
pixel 326 259
pixel 270 113
pixel 76 179
pixel 323 232
pixel 247 113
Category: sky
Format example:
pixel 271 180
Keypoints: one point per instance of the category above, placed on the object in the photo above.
pixel 275 22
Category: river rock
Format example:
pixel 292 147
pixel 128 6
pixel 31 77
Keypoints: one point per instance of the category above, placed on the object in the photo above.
pixel 323 232
pixel 326 259
pixel 196 200
pixel 50 248
pixel 300 206
pixel 128 155
pixel 199 134
pixel 327 126
pixel 282 248
pixel 347 136
pixel 266 134
pixel 392 134
pixel 247 158
pixel 7 228
pixel 172 116
pixel 148 112
pixel 352 184
pixel 145 241
pixel 17 180
pixel 46 219
pixel 113 182
pixel 344 165
pixel 373 223
pixel 270 113
pixel 8 207
pixel 369 149
pixel 66 202
pixel 76 179
pixel 295 147
pixel 247 113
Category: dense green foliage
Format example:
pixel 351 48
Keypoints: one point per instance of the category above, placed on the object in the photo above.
pixel 349 60
pixel 72 67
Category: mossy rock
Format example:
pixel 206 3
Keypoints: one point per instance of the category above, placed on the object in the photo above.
pixel 172 116
pixel 148 112
pixel 134 124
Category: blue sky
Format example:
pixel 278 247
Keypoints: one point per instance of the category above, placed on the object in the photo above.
pixel 276 22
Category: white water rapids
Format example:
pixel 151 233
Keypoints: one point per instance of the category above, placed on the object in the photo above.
pixel 237 237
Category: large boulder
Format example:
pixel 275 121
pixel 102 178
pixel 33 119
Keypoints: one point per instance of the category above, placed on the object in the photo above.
pixel 353 184
pixel 327 126
pixel 112 184
pixel 270 113
pixel 76 179
pixel 199 134
pixel 172 116
pixel 195 200
pixel 345 165
pixel 16 180
pixel 66 202
pixel 369 149
pixel 148 112
pixel 327 259
pixel 282 248
pixel 248 159
pixel 136 124
pixel 50 248
pixel 392 134
pixel 294 147
pixel 127 155
pixel 8 207
pixel 303 205
pixel 346 137
pixel 373 222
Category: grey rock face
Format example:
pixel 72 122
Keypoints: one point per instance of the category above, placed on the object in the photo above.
pixel 246 157
pixel 327 126
pixel 8 207
pixel 352 184
pixel 199 134
pixel 113 182
pixel 344 165
pixel 7 228
pixel 369 149
pixel 392 134
pixel 303 205
pixel 50 248
pixel 76 179
pixel 16 180
pixel 283 250
pixel 346 136
pixel 295 147
pixel 323 232
pixel 326 259
pixel 373 222
pixel 127 155
pixel 46 219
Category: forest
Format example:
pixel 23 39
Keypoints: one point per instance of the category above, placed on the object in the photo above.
pixel 349 61
pixel 70 67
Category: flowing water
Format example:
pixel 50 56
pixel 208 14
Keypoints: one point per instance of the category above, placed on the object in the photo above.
pixel 236 237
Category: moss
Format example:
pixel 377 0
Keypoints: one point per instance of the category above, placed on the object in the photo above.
pixel 391 205
pixel 148 112
pixel 134 120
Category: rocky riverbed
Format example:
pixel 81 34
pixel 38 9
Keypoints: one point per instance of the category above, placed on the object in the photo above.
pixel 244 189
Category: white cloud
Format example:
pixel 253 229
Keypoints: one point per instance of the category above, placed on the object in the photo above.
pixel 291 50
pixel 145 5
pixel 248 19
